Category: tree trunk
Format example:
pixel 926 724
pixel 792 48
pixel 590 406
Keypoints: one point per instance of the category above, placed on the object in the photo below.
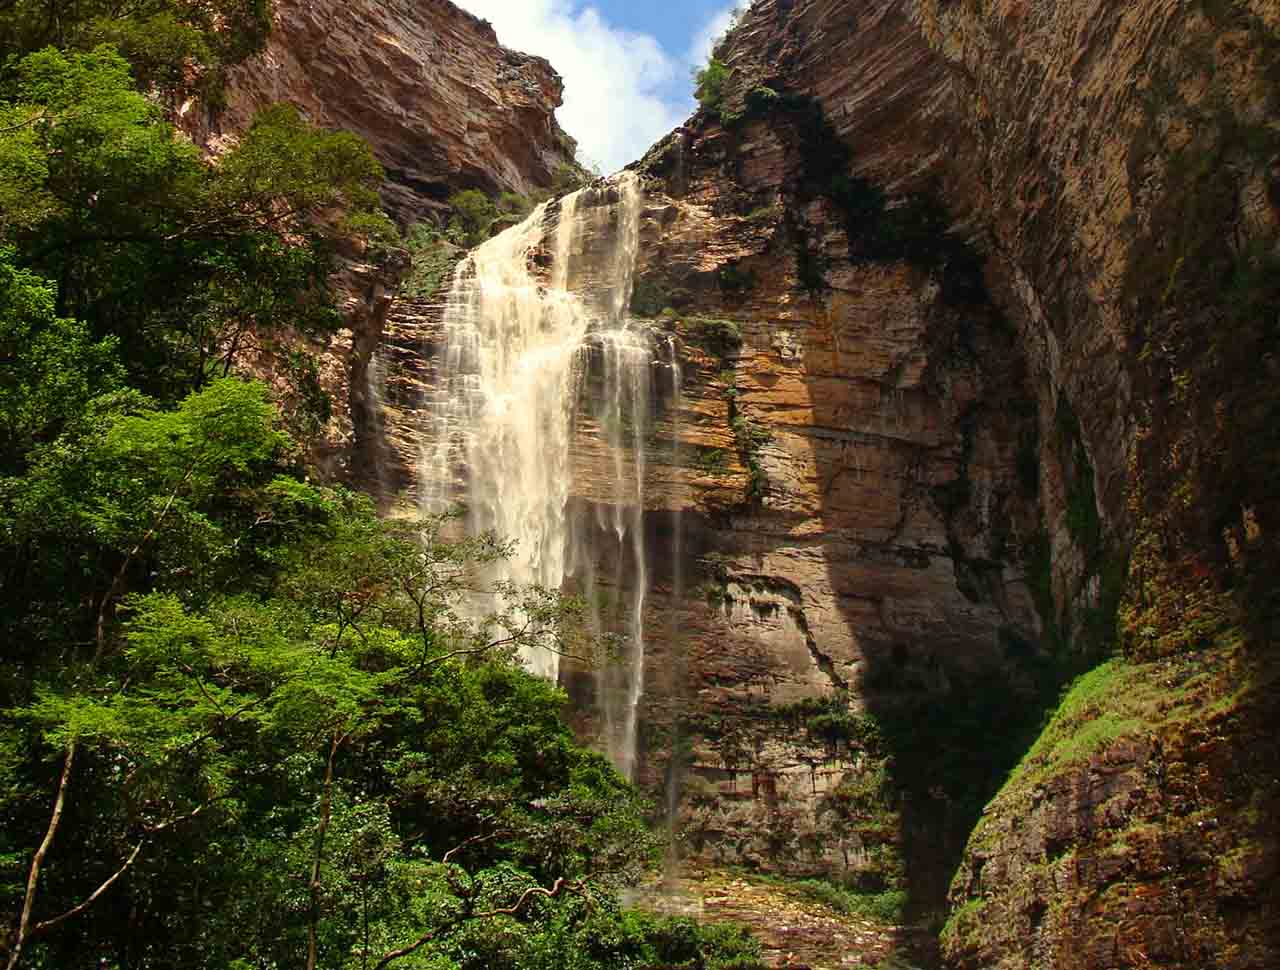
pixel 326 809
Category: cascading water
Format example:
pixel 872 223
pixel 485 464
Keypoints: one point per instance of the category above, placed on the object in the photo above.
pixel 530 358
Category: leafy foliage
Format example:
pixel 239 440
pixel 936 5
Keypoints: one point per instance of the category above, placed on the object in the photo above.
pixel 183 262
pixel 245 722
pixel 173 45
pixel 712 78
pixel 709 84
pixel 48 365
pixel 433 258
pixel 475 217
pixel 265 685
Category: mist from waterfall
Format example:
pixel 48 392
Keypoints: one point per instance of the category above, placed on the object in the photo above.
pixel 534 354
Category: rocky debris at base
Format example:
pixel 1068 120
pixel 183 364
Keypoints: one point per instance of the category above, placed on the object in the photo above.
pixel 795 933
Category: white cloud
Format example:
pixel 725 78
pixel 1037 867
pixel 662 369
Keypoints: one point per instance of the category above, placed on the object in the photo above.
pixel 707 38
pixel 614 100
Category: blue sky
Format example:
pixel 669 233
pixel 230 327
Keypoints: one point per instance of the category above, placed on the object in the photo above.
pixel 625 64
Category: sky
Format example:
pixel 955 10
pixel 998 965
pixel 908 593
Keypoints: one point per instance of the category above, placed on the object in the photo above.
pixel 626 64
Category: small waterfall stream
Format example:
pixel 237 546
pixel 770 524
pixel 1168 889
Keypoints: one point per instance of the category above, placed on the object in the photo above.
pixel 535 355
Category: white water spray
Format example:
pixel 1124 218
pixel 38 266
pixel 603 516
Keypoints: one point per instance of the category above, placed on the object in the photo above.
pixel 523 348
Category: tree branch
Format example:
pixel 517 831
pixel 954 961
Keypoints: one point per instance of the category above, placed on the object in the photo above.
pixel 474 840
pixel 558 887
pixel 92 897
pixel 117 584
pixel 23 124
pixel 37 861
pixel 326 808
pixel 45 925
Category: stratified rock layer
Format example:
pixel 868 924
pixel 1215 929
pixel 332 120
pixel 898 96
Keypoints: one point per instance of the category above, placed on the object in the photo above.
pixel 1125 156
pixel 838 508
pixel 443 104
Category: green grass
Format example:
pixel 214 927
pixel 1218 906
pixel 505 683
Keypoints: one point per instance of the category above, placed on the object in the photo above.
pixel 1081 724
pixel 883 907
pixel 1121 699
pixel 712 461
pixel 764 213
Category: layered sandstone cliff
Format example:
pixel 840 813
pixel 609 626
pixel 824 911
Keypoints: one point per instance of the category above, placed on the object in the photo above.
pixel 842 499
pixel 442 103
pixel 1128 159
pixel 1114 170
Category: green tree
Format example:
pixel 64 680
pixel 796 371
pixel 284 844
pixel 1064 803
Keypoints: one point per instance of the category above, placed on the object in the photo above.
pixel 184 262
pixel 49 366
pixel 474 214
pixel 174 45
pixel 243 722
pixel 247 661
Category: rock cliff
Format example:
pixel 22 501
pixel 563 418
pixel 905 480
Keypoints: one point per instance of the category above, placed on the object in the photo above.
pixel 444 106
pixel 976 307
pixel 1127 156
pixel 843 501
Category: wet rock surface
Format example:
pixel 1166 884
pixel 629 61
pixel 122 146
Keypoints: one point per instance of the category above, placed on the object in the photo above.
pixel 444 107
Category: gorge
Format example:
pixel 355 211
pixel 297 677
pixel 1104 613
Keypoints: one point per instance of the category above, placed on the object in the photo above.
pixel 879 476
pixel 892 519
pixel 514 363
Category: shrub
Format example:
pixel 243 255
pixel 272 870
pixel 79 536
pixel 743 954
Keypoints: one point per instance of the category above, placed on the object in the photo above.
pixel 720 337
pixel 710 83
pixel 649 298
pixel 735 279
pixel 433 258
pixel 474 214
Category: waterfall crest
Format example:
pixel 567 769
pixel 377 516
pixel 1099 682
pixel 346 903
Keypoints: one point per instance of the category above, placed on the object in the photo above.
pixel 539 348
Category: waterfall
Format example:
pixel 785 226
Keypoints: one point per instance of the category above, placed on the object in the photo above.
pixel 532 356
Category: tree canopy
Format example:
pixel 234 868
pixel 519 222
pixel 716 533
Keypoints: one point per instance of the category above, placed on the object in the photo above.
pixel 175 46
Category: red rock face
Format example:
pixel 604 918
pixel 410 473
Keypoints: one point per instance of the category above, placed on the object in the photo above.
pixel 847 479
pixel 838 520
pixel 441 102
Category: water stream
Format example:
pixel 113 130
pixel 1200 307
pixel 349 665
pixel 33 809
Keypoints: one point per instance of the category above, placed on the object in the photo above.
pixel 539 352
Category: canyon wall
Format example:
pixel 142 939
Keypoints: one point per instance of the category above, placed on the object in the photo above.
pixel 844 498
pixel 976 306
pixel 1129 159
pixel 1113 171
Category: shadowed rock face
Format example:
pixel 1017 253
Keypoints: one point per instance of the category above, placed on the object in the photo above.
pixel 1124 155
pixel 442 103
pixel 1114 166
